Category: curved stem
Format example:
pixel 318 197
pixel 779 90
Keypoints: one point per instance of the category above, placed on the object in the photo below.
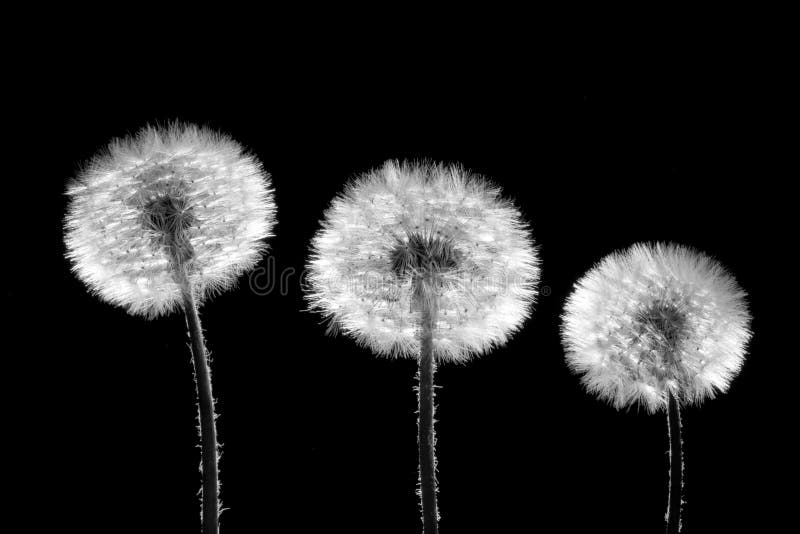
pixel 675 495
pixel 427 438
pixel 208 431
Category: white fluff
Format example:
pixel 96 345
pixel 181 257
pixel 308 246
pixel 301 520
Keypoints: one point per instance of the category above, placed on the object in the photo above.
pixel 655 319
pixel 482 301
pixel 226 191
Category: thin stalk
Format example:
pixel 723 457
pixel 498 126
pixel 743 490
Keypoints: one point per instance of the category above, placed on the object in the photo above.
pixel 675 495
pixel 426 437
pixel 208 431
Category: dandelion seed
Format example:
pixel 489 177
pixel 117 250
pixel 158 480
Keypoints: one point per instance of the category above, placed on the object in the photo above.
pixel 661 326
pixel 163 220
pixel 446 265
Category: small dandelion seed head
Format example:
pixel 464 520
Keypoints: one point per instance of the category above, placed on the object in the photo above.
pixel 654 320
pixel 178 194
pixel 406 232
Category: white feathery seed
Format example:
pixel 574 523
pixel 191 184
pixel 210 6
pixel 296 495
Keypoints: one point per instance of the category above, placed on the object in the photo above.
pixel 655 319
pixel 224 200
pixel 362 264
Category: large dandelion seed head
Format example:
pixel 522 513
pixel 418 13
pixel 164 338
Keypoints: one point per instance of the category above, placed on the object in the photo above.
pixel 654 320
pixel 405 234
pixel 167 198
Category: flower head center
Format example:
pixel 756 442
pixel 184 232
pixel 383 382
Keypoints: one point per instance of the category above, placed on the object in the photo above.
pixel 424 256
pixel 661 328
pixel 169 217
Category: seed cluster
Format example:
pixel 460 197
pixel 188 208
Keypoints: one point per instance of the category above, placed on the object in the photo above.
pixel 181 194
pixel 402 225
pixel 654 320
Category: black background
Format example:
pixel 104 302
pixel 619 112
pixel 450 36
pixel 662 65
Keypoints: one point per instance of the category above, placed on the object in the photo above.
pixel 318 434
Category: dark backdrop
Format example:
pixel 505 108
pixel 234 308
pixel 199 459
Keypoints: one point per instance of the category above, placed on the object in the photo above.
pixel 318 434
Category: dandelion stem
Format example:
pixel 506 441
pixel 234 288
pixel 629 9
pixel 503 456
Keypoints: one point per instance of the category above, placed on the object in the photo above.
pixel 675 495
pixel 427 439
pixel 208 431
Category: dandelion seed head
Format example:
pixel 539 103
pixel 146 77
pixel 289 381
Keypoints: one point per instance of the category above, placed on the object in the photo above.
pixel 655 319
pixel 403 227
pixel 180 193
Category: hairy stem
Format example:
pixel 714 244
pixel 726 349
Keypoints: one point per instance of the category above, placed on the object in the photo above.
pixel 426 438
pixel 208 431
pixel 675 495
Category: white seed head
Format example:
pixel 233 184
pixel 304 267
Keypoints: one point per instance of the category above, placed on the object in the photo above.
pixel 129 204
pixel 401 222
pixel 655 319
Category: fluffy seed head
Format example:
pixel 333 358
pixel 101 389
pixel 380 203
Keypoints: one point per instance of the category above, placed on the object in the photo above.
pixel 406 232
pixel 655 319
pixel 165 197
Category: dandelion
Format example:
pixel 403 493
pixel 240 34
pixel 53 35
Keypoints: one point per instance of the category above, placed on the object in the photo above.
pixel 163 220
pixel 660 326
pixel 425 262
